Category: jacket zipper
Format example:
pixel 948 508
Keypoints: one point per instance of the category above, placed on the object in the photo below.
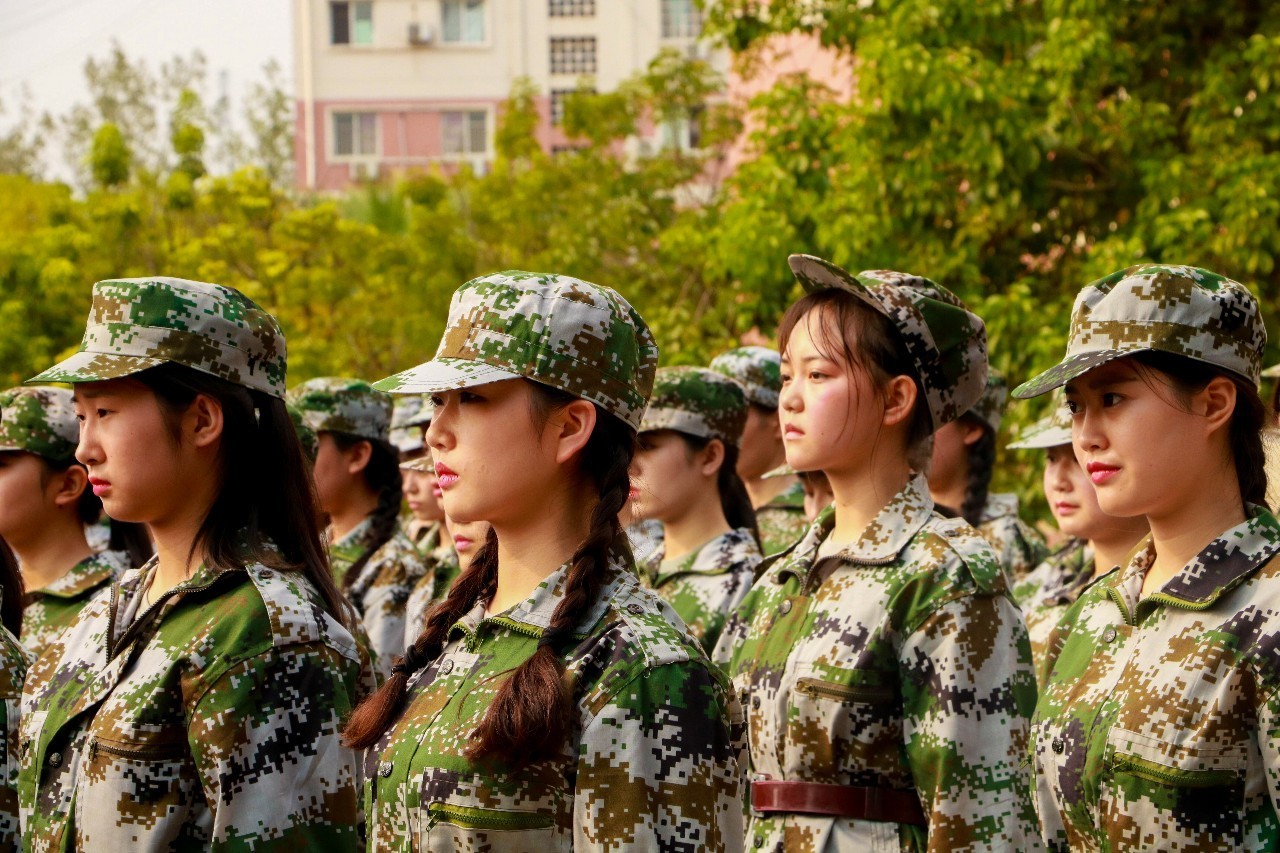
pixel 473 818
pixel 113 650
pixel 96 745
pixel 845 692
pixel 1185 779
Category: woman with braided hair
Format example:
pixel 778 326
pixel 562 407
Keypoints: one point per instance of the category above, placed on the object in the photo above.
pixel 550 702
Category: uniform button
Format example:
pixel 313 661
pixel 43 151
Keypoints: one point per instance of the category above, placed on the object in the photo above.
pixel 635 609
pixel 743 698
pixel 55 759
pixel 755 702
pixel 1109 635
pixel 785 607
pixel 1058 745
pixel 384 769
pixel 446 667
pixel 759 842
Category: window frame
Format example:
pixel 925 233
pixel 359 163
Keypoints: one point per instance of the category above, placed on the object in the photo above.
pixel 589 65
pixel 485 36
pixel 685 26
pixel 469 114
pixel 355 155
pixel 352 8
pixel 571 8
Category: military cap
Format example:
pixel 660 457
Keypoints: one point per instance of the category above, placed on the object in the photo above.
pixel 39 420
pixel 697 401
pixel 1185 311
pixel 1272 372
pixel 570 334
pixel 412 412
pixel 990 405
pixel 1051 431
pixel 422 464
pixel 783 470
pixel 758 369
pixel 946 341
pixel 306 435
pixel 349 406
pixel 137 323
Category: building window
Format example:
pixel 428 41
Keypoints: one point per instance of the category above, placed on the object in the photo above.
pixel 351 23
pixel 558 99
pixel 573 55
pixel 572 8
pixel 680 19
pixel 462 21
pixel 355 134
pixel 465 132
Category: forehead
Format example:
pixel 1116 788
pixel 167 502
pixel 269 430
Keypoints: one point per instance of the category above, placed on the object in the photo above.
pixel 123 387
pixel 1111 373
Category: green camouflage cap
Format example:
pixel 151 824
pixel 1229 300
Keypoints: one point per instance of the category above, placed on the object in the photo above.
pixel 137 323
pixel 990 405
pixel 1051 431
pixel 564 332
pixel 783 470
pixel 758 369
pixel 39 420
pixel 350 406
pixel 1186 311
pixel 412 412
pixel 306 435
pixel 946 341
pixel 697 401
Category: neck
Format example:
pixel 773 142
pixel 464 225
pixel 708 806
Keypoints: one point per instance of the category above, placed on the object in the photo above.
pixel 175 561
pixel 762 491
pixel 949 492
pixel 702 521
pixel 532 548
pixel 861 492
pixel 345 517
pixel 1112 550
pixel 60 547
pixel 1182 532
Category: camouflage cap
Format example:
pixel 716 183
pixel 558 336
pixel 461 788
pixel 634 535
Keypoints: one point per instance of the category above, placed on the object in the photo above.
pixel 783 470
pixel 306 435
pixel 1051 431
pixel 137 323
pixel 697 401
pixel 350 406
pixel 573 335
pixel 946 341
pixel 39 420
pixel 990 406
pixel 412 412
pixel 758 369
pixel 1186 311
pixel 1272 372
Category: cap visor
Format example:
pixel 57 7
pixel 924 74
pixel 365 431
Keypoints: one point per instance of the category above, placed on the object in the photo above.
pixel 443 374
pixel 95 367
pixel 1272 372
pixel 422 464
pixel 815 274
pixel 1043 441
pixel 1070 368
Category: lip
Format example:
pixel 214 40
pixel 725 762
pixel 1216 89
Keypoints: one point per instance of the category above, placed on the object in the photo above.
pixel 1101 473
pixel 1065 508
pixel 99 485
pixel 446 477
pixel 414 505
pixel 791 431
pixel 633 493
pixel 462 543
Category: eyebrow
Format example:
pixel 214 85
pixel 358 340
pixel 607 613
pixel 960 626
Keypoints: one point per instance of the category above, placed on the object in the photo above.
pixel 1102 382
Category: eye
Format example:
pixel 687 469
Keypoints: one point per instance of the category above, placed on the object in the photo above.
pixel 437 401
pixel 786 377
pixel 1072 407
pixel 817 375
pixel 1110 399
pixel 465 396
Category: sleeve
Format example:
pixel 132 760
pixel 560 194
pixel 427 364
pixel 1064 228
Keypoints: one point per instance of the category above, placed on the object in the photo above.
pixel 968 696
pixel 385 606
pixel 265 737
pixel 658 766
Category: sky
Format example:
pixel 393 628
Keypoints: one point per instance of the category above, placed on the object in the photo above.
pixel 44 43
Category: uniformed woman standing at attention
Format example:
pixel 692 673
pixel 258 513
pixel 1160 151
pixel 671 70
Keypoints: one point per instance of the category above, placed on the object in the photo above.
pixel 886 669
pixel 1158 719
pixel 550 703
pixel 195 704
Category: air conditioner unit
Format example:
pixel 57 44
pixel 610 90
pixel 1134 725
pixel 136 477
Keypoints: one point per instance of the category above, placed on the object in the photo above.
pixel 421 35
pixel 363 170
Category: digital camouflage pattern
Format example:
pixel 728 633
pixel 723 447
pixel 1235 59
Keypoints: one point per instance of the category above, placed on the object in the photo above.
pixel 1186 311
pixel 39 420
pixel 136 323
pixel 380 591
pixel 990 406
pixel 14 661
pixel 411 415
pixel 646 537
pixel 706 586
pixel 697 401
pixel 1157 725
pixel 348 406
pixel 52 609
pixel 1049 589
pixel 1019 546
pixel 946 342
pixel 561 331
pixel 650 764
pixel 306 435
pixel 898 662
pixel 782 521
pixel 1054 430
pixel 757 369
pixel 209 720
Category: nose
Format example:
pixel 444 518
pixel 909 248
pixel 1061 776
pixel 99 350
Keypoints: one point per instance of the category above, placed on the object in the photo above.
pixel 1059 478
pixel 437 435
pixel 789 399
pixel 1086 431
pixel 88 450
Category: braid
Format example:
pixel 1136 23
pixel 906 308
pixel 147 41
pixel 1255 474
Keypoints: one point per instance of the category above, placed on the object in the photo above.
pixel 734 499
pixel 982 460
pixel 383 476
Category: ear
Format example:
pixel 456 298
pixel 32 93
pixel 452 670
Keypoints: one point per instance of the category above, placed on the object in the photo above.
pixel 203 421
pixel 899 400
pixel 69 485
pixel 1218 403
pixel 570 429
pixel 358 456
pixel 711 458
pixel 972 431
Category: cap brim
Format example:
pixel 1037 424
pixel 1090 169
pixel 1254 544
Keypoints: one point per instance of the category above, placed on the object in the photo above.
pixel 422 464
pixel 443 374
pixel 816 274
pixel 95 367
pixel 1070 368
pixel 1043 441
pixel 1272 372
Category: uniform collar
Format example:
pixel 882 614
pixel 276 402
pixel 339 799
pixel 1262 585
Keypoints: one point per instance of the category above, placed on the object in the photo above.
pixel 90 573
pixel 999 506
pixel 358 538
pixel 792 498
pixel 714 558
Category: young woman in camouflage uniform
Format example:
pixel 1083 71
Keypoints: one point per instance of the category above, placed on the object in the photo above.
pixel 886 669
pixel 14 660
pixel 1157 723
pixel 779 500
pixel 964 455
pixel 358 481
pixel 1098 543
pixel 195 704
pixel 45 505
pixel 551 703
pixel 463 542
pixel 686 474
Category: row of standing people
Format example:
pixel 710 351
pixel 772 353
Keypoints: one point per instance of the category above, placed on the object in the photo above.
pixel 875 678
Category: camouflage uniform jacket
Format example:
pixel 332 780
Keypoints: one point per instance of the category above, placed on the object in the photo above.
pixel 380 593
pixel 1045 594
pixel 650 763
pixel 14 661
pixel 709 584
pixel 900 662
pixel 1157 726
pixel 1019 546
pixel 208 721
pixel 51 610
pixel 782 521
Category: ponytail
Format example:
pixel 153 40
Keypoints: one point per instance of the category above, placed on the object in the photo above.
pixel 982 461
pixel 529 718
pixel 13 599
pixel 382 476
pixel 735 501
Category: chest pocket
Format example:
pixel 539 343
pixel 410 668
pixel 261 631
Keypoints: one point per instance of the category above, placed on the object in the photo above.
pixel 1176 796
pixel 449 827
pixel 844 728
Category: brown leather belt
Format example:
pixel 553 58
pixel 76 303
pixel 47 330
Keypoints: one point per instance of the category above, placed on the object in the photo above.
pixel 821 798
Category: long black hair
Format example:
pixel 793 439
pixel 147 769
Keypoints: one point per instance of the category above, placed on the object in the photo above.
pixel 382 476
pixel 981 456
pixel 12 593
pixel 735 501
